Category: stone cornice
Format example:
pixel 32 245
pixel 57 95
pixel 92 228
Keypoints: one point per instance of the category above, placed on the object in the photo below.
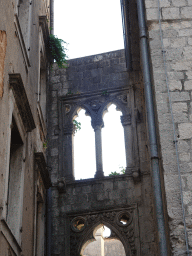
pixel 72 97
pixel 22 102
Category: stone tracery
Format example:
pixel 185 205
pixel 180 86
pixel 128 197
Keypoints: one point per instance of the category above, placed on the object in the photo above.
pixel 111 218
pixel 95 107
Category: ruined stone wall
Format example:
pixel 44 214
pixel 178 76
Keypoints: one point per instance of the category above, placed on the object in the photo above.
pixel 98 201
pixel 176 25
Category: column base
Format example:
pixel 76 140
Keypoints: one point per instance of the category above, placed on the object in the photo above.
pixel 99 175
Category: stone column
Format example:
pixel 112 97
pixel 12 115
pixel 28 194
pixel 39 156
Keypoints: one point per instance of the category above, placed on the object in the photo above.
pixel 68 156
pixel 98 148
pixel 128 135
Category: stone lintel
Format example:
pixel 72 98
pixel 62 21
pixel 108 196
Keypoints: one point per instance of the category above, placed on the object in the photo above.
pixel 22 102
pixel 40 159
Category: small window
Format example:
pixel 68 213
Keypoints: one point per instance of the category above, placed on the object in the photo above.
pixel 15 181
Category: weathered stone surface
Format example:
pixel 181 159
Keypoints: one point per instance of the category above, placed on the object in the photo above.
pixel 185 130
pixel 170 13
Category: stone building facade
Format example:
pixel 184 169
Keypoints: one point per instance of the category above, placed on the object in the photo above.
pixel 24 176
pixel 169 31
pixel 158 176
pixel 149 207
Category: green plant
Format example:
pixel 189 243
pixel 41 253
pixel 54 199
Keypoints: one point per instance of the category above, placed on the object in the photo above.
pixel 77 125
pixel 45 144
pixel 57 50
pixel 105 93
pixel 69 92
pixel 122 171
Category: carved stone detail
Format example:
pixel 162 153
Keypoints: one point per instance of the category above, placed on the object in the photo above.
pixel 124 232
pixel 97 123
pixel 126 120
pixel 123 98
pixel 67 108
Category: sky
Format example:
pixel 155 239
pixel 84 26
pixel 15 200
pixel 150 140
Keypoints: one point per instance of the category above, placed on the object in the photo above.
pixel 92 27
pixel 89 26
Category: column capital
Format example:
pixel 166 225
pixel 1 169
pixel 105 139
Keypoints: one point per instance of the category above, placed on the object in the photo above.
pixel 97 124
pixel 126 120
pixel 68 129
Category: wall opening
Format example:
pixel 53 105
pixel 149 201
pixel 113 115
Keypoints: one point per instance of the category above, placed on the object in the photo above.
pixel 113 143
pixel 84 148
pixel 103 244
pixel 15 182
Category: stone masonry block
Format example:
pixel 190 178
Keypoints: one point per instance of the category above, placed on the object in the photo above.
pixel 55 79
pixel 188 85
pixel 178 42
pixel 182 65
pixel 166 42
pixel 170 13
pixel 179 3
pixel 102 196
pixel 164 3
pixel 187 197
pixel 185 130
pixel 170 33
pixel 189 74
pixel 189 181
pixel 187 53
pixel 180 112
pixel 151 4
pixel 185 32
pixel 189 40
pixel 152 14
pixel 180 96
pixel 174 54
pixel 86 189
pixel 176 75
pixel 175 85
pixel 186 12
pixel 183 146
pixel 184 157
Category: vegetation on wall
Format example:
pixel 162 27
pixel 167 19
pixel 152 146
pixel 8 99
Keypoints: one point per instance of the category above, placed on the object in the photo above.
pixel 77 125
pixel 57 50
pixel 122 171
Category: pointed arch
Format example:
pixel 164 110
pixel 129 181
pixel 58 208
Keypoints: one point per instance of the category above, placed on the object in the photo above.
pixel 89 237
